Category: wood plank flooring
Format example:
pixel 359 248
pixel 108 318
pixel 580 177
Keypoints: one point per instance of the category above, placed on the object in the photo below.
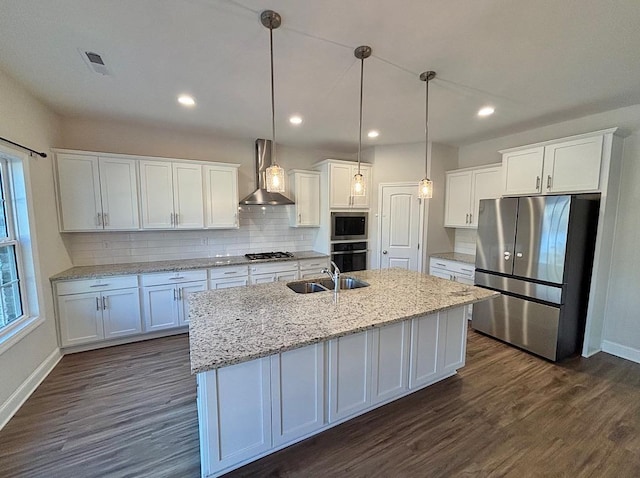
pixel 129 411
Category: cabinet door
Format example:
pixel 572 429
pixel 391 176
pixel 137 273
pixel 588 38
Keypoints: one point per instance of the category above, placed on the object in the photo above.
pixel 452 339
pixel 349 375
pixel 297 391
pixel 573 166
pixel 187 196
pixel 119 192
pixel 307 200
pixel 263 278
pixel 156 191
pixel 80 318
pixel 286 276
pixel 183 291
pixel 215 284
pixel 160 307
pixel 339 185
pixel 458 199
pixel 362 202
pixel 423 367
pixel 487 184
pixel 221 197
pixel 522 171
pixel 79 192
pixel 390 361
pixel 441 273
pixel 121 313
pixel 234 409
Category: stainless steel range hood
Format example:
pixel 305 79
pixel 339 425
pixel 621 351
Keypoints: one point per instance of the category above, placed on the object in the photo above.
pixel 262 197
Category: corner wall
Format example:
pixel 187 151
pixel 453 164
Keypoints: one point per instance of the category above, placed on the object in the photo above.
pixel 26 120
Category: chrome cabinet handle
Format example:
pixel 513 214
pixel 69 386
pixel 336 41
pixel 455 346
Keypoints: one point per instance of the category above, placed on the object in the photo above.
pixel 231 272
pixel 175 294
pixel 384 252
pixel 104 303
pixel 171 218
pixel 507 255
pixel 105 219
pixel 537 183
pixel 177 220
pixel 549 181
pixel 180 293
pixel 99 285
pixel 518 254
pixel 98 222
pixel 299 217
pixel 470 218
pixel 176 278
pixel 97 303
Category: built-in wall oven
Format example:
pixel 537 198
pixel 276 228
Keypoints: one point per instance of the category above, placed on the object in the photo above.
pixel 349 226
pixel 349 256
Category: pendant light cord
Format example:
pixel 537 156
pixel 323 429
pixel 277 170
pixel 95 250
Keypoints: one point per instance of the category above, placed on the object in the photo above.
pixel 361 96
pixel 426 130
pixel 273 101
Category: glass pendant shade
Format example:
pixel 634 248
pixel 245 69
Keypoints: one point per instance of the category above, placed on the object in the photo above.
pixel 275 179
pixel 425 189
pixel 357 186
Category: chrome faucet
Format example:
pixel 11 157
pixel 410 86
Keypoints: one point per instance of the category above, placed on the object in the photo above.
pixel 335 276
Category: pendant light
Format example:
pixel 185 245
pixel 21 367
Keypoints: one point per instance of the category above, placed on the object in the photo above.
pixel 358 187
pixel 425 187
pixel 274 173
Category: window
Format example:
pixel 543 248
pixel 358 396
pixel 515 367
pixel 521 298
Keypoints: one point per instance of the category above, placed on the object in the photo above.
pixel 11 303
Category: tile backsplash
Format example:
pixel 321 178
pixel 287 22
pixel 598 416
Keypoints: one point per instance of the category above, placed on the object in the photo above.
pixel 261 229
pixel 465 241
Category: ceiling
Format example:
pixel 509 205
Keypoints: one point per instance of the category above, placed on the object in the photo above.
pixel 537 62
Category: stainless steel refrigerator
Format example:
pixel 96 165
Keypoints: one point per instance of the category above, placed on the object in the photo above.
pixel 538 252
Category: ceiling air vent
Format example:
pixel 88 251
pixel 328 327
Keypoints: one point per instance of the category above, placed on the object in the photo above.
pixel 95 62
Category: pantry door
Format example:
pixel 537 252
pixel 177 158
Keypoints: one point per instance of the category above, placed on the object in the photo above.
pixel 400 226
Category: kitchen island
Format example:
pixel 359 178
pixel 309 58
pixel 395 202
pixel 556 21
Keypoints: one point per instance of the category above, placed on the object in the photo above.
pixel 274 367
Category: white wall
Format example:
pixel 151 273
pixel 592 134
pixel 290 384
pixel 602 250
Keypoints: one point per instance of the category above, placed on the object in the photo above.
pixel 406 163
pixel 25 120
pixel 621 333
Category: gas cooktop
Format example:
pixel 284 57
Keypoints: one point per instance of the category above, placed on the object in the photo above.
pixel 268 255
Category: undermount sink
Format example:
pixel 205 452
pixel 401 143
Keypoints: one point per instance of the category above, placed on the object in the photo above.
pixel 320 285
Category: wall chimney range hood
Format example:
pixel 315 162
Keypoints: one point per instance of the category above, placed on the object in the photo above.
pixel 262 197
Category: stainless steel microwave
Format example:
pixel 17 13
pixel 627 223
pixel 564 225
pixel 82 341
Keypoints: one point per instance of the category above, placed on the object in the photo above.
pixel 347 226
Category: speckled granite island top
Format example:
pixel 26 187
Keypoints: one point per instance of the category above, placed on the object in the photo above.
pixel 133 268
pixel 230 326
pixel 456 256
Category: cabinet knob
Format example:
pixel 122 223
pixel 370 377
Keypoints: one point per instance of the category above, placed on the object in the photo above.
pixel 519 254
pixel 384 252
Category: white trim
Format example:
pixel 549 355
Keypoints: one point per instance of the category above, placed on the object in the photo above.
pixel 421 232
pixel 24 391
pixel 622 351
pixel 16 331
pixel 556 140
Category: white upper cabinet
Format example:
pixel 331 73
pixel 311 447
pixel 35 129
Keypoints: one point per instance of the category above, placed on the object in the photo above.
pixel 464 190
pixel 96 193
pixel 305 191
pixel 221 196
pixel 339 175
pixel 188 204
pixel 172 195
pixel 562 166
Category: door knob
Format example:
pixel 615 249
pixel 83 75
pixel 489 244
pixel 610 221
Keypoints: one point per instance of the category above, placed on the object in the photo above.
pixel 384 252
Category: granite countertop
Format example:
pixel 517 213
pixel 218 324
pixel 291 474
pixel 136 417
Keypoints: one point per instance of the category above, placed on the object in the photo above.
pixel 90 272
pixel 230 326
pixel 456 256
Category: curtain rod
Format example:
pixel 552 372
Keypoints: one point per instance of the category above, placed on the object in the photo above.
pixel 31 151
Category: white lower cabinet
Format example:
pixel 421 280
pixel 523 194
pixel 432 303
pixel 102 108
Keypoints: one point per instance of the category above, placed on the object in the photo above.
pixel 273 272
pixel 88 315
pixel 313 267
pixel 349 375
pixel 297 393
pixel 164 297
pixel 239 426
pixel 390 361
pixel 249 410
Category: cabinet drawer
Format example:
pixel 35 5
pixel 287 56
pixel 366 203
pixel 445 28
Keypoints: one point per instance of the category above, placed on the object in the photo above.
pixel 173 277
pixel 96 285
pixel 228 272
pixel 459 268
pixel 313 264
pixel 271 267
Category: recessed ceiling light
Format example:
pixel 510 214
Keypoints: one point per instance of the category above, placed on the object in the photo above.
pixel 186 100
pixel 295 120
pixel 486 111
pixel 373 133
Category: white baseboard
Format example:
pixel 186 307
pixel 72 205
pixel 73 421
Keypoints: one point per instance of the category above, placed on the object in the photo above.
pixel 24 391
pixel 621 351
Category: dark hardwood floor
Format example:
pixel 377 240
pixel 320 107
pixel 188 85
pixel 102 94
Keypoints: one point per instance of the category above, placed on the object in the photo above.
pixel 130 411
